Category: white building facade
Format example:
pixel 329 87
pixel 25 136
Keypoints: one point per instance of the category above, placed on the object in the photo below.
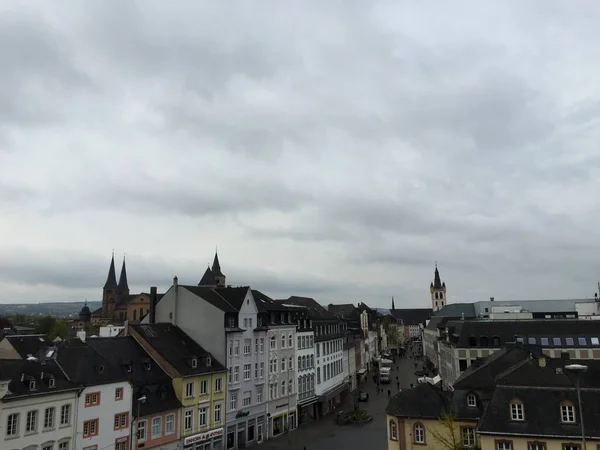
pixel 37 413
pixel 329 355
pixel 306 370
pixel 281 408
pixel 97 408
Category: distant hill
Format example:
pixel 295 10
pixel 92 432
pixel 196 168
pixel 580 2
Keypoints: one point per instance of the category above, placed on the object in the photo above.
pixel 64 309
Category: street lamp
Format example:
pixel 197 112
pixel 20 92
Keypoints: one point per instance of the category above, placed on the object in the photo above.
pixel 578 370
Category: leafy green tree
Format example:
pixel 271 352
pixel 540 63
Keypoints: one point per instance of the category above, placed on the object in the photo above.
pixel 59 329
pixel 44 325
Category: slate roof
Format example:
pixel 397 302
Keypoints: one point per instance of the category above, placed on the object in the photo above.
pixel 85 366
pixel 216 267
pixel 123 278
pixel 266 303
pixel 315 310
pixel 508 330
pixel 456 310
pixel 412 316
pixel 424 401
pixel 542 413
pixel 212 297
pixel 208 279
pixel 177 348
pixel 343 311
pixel 235 296
pixel 111 279
pixel 21 372
pixel 553 374
pixel 28 344
pixel 482 375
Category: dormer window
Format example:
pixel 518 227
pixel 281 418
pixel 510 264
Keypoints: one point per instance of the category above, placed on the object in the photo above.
pixel 517 410
pixel 567 412
pixel 208 361
pixel 471 401
pixel 51 382
pixel 147 366
pixel 194 362
pixel 272 317
pixel 32 385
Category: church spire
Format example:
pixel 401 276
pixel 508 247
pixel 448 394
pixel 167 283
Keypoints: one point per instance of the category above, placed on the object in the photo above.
pixel 123 278
pixel 393 306
pixel 216 266
pixel 111 280
pixel 437 282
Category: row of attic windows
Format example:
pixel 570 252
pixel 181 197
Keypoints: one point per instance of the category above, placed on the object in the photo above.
pixel 580 341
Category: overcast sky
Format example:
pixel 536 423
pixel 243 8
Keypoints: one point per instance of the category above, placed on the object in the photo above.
pixel 334 149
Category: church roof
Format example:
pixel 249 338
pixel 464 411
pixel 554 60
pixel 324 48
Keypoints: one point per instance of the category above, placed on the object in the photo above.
pixel 208 279
pixel 123 278
pixel 216 267
pixel 111 280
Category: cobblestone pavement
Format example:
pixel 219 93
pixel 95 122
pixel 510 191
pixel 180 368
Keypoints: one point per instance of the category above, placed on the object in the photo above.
pixel 326 435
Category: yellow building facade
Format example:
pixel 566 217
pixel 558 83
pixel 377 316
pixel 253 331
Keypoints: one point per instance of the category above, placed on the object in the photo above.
pixel 429 434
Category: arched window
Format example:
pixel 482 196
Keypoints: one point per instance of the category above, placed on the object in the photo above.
pixel 471 401
pixel 567 412
pixel 290 341
pixel 312 361
pixel 418 433
pixel 393 431
pixel 299 362
pixel 283 341
pixel 517 410
pixel 436 296
pixel 273 343
pixel 291 363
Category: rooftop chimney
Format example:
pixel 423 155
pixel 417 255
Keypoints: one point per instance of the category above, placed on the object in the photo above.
pixel 542 361
pixel 175 301
pixel 153 300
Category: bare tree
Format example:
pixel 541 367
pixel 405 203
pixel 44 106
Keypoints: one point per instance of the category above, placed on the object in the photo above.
pixel 448 436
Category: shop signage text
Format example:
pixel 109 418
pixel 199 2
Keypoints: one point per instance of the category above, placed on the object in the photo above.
pixel 203 436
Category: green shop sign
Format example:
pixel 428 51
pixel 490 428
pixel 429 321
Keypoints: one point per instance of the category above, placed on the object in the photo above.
pixel 242 414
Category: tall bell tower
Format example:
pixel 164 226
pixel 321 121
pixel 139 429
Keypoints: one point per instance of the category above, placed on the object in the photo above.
pixel 438 291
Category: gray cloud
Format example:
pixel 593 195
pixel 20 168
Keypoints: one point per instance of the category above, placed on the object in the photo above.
pixel 331 150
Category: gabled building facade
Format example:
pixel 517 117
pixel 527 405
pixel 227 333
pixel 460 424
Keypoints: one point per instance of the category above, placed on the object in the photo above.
pixel 37 406
pixel 229 324
pixel 281 338
pixel 329 353
pixel 105 395
pixel 198 383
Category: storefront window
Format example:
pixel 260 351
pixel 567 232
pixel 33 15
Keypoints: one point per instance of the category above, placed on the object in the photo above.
pixel 277 426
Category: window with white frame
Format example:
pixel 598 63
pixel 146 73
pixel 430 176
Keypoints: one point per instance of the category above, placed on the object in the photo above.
pixel 170 424
pixel 247 346
pixel 393 431
pixel 283 364
pixel 255 370
pixel 233 401
pixel 290 363
pixel 471 401
pixel 262 369
pixel 517 411
pixel 468 436
pixel 256 345
pixel 219 384
pixel 247 369
pixel 236 347
pixel 247 398
pixel 236 374
pixel 64 445
pixel 262 345
pixel 156 427
pixel 203 387
pixel 273 343
pixel 503 445
pixel 189 389
pixel 290 341
pixel 31 423
pixel 537 446
pixel 283 341
pixel 259 394
pixel 245 322
pixel 202 416
pixel 283 388
pixel 49 418
pixel 217 413
pixel 188 420
pixel 65 414
pixel 567 413
pixel 419 433
pixel 12 425
pixel 272 366
pixel 141 430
